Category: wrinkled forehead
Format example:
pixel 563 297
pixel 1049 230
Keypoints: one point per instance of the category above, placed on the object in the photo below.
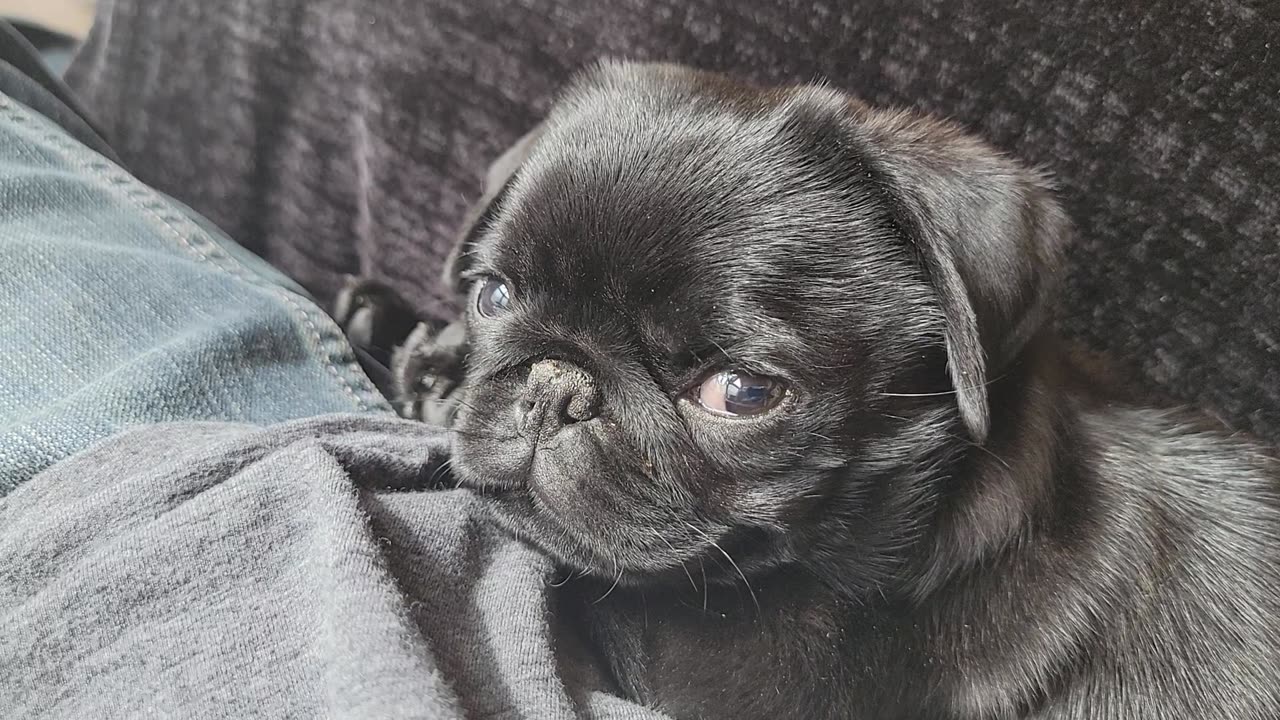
pixel 623 188
pixel 694 211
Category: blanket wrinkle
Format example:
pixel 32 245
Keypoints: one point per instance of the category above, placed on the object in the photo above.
pixel 198 569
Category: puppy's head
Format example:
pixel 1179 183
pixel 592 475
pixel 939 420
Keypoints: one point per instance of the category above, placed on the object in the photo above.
pixel 709 319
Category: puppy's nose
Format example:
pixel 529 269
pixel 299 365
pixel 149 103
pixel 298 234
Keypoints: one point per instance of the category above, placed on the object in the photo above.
pixel 556 394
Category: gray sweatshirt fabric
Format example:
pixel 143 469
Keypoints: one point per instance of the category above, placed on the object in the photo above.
pixel 210 570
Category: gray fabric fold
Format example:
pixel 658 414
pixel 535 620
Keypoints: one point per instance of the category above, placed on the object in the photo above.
pixel 226 570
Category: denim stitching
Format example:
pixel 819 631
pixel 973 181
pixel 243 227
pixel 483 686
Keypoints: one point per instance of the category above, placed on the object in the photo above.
pixel 210 252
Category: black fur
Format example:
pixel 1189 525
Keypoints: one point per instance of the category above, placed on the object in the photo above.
pixel 946 517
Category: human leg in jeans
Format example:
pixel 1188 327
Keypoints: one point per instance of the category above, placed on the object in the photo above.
pixel 122 307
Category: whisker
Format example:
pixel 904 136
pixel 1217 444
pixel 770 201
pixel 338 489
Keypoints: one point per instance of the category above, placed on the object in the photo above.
pixel 481 435
pixel 444 467
pixel 724 352
pixel 464 404
pixel 706 589
pixel 673 551
pixel 984 449
pixel 591 561
pixel 988 383
pixel 737 569
pixel 728 557
pixel 964 440
pixel 611 587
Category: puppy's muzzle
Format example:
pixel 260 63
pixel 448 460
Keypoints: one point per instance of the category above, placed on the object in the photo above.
pixel 557 394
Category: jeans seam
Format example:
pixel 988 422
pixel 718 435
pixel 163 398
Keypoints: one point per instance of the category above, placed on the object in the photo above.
pixel 345 373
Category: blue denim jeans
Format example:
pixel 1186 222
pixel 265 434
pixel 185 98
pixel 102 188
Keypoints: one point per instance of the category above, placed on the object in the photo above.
pixel 121 307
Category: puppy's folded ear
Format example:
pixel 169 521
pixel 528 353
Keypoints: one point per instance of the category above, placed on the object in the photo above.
pixel 990 234
pixel 495 184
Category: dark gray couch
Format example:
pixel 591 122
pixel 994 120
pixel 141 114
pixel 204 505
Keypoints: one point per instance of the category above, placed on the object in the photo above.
pixel 347 136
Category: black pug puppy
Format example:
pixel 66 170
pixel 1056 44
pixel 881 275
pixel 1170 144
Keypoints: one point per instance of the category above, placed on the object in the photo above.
pixel 769 367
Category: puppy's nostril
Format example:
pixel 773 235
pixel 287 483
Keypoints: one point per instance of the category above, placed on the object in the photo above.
pixel 581 406
pixel 528 415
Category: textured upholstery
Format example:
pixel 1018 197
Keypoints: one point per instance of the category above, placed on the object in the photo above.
pixel 347 136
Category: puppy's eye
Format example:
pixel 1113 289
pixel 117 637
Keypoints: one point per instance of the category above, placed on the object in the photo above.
pixel 494 298
pixel 734 394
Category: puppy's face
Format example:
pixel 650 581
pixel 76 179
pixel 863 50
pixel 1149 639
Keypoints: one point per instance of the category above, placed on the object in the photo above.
pixel 700 325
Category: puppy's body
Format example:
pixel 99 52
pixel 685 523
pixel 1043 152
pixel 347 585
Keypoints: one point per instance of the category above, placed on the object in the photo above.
pixel 1103 561
pixel 925 509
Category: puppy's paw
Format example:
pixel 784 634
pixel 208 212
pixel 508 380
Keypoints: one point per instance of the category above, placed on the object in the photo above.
pixel 374 317
pixel 427 372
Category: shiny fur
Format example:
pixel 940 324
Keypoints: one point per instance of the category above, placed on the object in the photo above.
pixel 946 517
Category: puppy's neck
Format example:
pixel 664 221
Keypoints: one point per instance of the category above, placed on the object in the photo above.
pixel 971 503
pixel 1016 484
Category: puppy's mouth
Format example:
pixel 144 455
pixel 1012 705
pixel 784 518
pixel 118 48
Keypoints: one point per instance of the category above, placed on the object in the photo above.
pixel 552 495
pixel 533 491
pixel 690 566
